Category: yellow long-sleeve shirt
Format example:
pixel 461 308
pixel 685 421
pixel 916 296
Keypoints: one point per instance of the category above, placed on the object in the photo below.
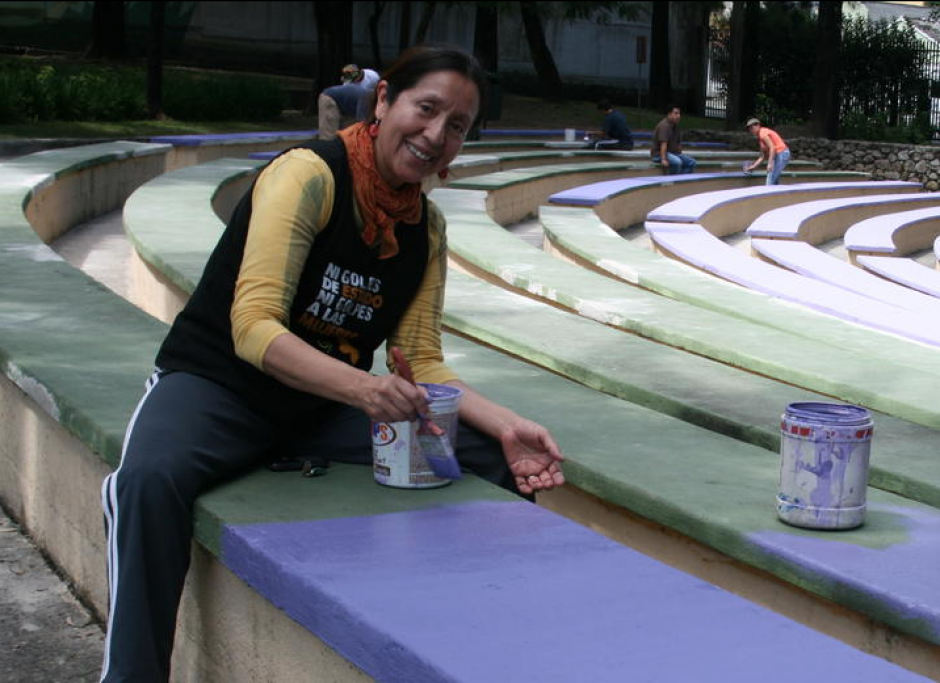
pixel 291 203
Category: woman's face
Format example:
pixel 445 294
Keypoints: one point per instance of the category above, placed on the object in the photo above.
pixel 424 129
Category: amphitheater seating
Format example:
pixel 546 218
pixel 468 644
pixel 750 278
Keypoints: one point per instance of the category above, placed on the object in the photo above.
pixel 625 201
pixel 895 234
pixel 903 271
pixel 725 212
pixel 807 260
pixel 629 481
pixel 695 245
pixel 579 235
pixel 823 220
pixel 310 563
pixel 196 149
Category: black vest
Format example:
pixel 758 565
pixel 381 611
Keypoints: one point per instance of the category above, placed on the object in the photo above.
pixel 347 302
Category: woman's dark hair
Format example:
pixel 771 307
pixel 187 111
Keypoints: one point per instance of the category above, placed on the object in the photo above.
pixel 417 62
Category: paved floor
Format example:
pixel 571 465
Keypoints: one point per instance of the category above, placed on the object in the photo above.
pixel 47 635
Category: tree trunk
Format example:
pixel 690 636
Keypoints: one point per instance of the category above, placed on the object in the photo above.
pixel 660 82
pixel 426 15
pixel 486 36
pixel 155 60
pixel 541 56
pixel 378 8
pixel 108 38
pixel 688 72
pixel 826 77
pixel 334 41
pixel 404 27
pixel 742 75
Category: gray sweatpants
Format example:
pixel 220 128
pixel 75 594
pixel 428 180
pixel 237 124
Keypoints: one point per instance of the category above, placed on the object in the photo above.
pixel 187 435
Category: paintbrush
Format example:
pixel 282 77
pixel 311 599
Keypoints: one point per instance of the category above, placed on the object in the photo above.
pixel 433 441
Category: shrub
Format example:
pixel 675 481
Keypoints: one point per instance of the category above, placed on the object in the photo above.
pixel 190 96
pixel 72 92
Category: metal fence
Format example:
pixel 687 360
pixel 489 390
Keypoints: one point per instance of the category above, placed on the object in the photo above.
pixel 716 88
pixel 716 91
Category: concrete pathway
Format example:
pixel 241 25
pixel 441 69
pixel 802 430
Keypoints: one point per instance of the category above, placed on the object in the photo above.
pixel 48 636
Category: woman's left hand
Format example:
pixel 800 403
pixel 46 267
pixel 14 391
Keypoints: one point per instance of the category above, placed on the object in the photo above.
pixel 533 456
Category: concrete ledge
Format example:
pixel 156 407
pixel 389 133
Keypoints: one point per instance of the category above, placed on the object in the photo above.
pixel 613 644
pixel 624 202
pixel 895 234
pixel 693 244
pixel 725 212
pixel 902 271
pixel 189 150
pixel 490 251
pixel 811 262
pixel 578 234
pixel 823 220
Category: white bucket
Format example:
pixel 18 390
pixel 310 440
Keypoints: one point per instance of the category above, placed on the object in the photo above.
pixel 825 450
pixel 396 453
pixel 569 134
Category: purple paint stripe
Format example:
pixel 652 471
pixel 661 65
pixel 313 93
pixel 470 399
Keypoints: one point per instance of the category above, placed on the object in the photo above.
pixel 903 579
pixel 511 592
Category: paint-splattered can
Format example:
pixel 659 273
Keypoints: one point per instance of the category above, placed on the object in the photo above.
pixel 396 452
pixel 824 451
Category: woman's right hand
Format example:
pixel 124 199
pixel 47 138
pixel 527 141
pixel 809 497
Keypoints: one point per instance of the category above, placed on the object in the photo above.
pixel 390 398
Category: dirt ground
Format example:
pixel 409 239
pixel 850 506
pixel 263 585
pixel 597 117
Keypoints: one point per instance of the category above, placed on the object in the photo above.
pixel 48 636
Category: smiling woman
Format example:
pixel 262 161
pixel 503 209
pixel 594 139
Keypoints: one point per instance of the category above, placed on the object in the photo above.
pixel 333 251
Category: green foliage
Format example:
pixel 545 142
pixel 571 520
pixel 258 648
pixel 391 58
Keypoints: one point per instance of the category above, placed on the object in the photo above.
pixel 787 56
pixel 861 126
pixel 882 71
pixel 190 96
pixel 31 91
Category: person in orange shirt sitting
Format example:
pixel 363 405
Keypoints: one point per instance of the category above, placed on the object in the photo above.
pixel 772 147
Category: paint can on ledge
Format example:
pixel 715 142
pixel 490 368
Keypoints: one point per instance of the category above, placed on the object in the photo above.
pixel 397 460
pixel 824 452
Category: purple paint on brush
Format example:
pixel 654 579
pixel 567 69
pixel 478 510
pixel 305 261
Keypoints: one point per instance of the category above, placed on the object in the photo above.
pixel 487 591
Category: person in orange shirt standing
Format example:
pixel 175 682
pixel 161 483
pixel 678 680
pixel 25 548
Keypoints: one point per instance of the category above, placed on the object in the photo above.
pixel 772 147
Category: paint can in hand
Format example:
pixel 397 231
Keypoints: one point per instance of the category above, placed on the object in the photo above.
pixel 824 452
pixel 397 460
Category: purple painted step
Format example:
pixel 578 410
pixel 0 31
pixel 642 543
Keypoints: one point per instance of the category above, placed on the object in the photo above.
pixel 594 193
pixel 904 271
pixel 691 209
pixel 693 244
pixel 807 260
pixel 486 592
pixel 196 140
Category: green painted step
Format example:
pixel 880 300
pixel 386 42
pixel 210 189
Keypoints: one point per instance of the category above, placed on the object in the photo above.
pixel 888 387
pixel 580 232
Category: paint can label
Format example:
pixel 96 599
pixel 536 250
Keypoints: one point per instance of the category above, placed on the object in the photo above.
pixel 824 451
pixel 397 460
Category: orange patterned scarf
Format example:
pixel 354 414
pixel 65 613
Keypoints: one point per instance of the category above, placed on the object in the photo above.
pixel 381 206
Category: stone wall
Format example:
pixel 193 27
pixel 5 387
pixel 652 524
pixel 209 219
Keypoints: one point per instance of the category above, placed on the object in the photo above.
pixel 885 161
